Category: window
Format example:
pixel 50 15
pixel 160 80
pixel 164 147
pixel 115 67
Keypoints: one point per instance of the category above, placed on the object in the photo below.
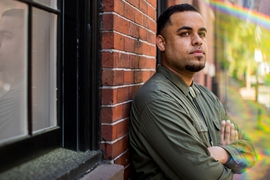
pixel 29 67
pixel 54 101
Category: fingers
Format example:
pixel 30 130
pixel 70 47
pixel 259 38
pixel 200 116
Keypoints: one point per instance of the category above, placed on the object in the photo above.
pixel 236 135
pixel 222 132
pixel 228 132
pixel 232 132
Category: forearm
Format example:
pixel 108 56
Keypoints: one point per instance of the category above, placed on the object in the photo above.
pixel 240 151
pixel 242 155
pixel 219 154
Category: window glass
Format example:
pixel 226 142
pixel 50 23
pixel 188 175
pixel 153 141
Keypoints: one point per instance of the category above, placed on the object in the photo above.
pixel 51 3
pixel 43 70
pixel 13 59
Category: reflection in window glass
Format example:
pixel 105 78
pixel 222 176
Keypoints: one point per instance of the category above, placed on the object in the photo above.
pixel 44 70
pixel 51 3
pixel 13 48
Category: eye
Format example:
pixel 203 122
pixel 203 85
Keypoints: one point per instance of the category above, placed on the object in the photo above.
pixel 184 34
pixel 202 34
pixel 5 35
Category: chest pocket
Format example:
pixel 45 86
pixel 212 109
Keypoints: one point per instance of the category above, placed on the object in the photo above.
pixel 217 125
pixel 200 127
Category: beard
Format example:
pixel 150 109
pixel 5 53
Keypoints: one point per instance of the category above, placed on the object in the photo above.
pixel 195 67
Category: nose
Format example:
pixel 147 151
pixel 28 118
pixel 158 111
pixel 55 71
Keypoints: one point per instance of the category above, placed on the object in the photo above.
pixel 196 40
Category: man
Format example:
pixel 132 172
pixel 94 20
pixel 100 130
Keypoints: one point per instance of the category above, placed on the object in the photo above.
pixel 13 122
pixel 177 127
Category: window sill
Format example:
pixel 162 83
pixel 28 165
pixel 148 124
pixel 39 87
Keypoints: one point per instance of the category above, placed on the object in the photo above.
pixel 58 164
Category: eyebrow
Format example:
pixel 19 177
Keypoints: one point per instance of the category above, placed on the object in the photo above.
pixel 5 31
pixel 189 28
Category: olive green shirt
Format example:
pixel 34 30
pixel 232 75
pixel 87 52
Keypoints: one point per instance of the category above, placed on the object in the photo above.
pixel 169 135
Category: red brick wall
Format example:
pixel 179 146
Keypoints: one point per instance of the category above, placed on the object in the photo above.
pixel 128 60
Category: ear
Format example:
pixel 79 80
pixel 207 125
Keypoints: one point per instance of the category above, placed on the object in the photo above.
pixel 160 41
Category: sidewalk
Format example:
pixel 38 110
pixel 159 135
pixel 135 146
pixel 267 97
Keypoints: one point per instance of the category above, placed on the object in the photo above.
pixel 253 119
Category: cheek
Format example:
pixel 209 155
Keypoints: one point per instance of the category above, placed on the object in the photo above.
pixel 7 46
pixel 206 49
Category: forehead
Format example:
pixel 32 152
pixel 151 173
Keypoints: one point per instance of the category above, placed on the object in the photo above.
pixel 10 23
pixel 187 18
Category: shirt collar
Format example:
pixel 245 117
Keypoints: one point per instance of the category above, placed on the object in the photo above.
pixel 178 81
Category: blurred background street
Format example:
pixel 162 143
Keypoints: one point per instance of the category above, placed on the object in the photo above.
pixel 253 118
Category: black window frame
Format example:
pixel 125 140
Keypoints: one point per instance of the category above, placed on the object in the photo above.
pixel 78 94
pixel 84 133
pixel 161 6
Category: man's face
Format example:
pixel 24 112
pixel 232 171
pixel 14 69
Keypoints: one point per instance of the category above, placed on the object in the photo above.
pixel 12 44
pixel 184 43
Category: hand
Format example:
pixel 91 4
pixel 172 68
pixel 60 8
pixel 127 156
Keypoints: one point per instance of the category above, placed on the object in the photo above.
pixel 228 133
pixel 219 154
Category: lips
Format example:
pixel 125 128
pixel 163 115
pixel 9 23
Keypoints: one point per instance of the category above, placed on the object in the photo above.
pixel 197 52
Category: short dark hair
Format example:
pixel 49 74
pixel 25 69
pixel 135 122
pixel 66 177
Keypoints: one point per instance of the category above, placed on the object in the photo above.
pixel 164 18
pixel 14 13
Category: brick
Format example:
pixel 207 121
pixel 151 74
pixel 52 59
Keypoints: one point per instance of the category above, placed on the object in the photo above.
pixel 134 61
pixel 119 42
pixel 113 96
pixel 120 24
pixel 107 40
pixel 129 44
pixel 112 40
pixel 147 49
pixel 151 25
pixel 153 50
pixel 112 114
pixel 122 94
pixel 137 46
pixel 109 96
pixel 128 77
pixel 151 37
pixel 129 12
pixel 145 21
pixel 113 132
pixel 152 13
pixel 113 150
pixel 114 22
pixel 108 21
pixel 142 76
pixel 106 114
pixel 123 60
pixel 132 91
pixel 153 3
pixel 138 18
pixel 112 77
pixel 121 111
pixel 109 59
pixel 143 7
pixel 124 159
pixel 133 30
pixel 107 5
pixel 143 33
pixel 134 2
pixel 119 7
pixel 147 62
pixel 127 172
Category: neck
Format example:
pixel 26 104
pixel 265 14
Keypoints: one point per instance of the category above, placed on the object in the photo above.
pixel 188 77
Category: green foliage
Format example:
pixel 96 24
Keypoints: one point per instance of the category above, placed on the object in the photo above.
pixel 238 41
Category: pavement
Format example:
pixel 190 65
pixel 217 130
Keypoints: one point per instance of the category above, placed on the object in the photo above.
pixel 253 118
